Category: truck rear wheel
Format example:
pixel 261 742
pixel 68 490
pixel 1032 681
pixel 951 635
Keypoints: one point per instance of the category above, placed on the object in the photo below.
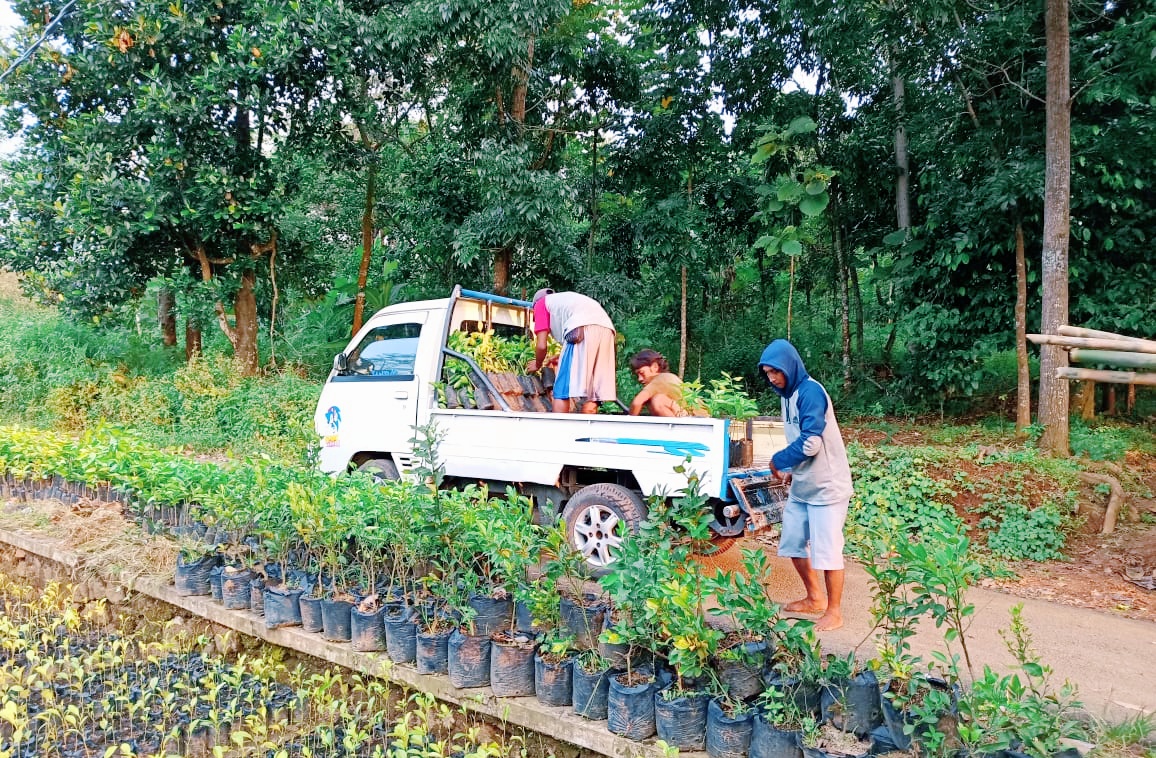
pixel 592 520
pixel 381 469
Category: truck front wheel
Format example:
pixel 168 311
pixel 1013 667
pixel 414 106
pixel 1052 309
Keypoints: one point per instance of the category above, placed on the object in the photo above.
pixel 592 520
pixel 381 469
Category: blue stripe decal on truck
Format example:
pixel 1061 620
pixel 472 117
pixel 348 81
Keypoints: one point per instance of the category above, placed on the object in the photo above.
pixel 670 447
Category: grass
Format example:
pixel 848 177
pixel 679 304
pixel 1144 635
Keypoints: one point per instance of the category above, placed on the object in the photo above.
pixel 59 374
pixel 1131 738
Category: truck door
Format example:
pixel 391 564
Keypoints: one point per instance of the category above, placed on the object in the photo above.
pixel 373 405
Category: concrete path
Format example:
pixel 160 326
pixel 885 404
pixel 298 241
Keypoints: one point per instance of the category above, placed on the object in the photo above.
pixel 1111 660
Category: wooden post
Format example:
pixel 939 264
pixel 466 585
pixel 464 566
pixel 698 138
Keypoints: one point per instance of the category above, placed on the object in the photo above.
pixel 1112 357
pixel 1116 498
pixel 1076 331
pixel 1084 400
pixel 1095 343
pixel 1115 377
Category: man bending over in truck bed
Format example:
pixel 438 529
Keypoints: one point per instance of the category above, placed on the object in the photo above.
pixel 586 368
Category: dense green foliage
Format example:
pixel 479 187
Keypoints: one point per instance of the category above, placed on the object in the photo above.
pixel 605 147
pixel 354 531
pixel 896 487
pixel 923 492
pixel 59 374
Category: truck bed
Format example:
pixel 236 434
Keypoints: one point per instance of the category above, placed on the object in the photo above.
pixel 534 447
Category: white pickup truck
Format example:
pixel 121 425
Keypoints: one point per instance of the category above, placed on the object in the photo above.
pixel 594 470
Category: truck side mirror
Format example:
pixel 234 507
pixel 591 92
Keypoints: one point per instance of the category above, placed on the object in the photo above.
pixel 340 363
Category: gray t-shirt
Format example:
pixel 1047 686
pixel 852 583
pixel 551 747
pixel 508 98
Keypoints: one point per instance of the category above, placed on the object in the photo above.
pixel 570 310
pixel 824 476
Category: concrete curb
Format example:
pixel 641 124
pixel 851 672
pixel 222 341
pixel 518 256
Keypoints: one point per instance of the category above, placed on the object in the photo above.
pixel 557 723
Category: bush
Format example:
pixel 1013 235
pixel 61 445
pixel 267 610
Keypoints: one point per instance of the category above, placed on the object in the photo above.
pixel 57 373
pixel 893 485
pixel 1036 534
pixel 1106 443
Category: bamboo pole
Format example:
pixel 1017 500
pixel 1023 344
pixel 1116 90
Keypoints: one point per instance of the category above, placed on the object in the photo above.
pixel 1079 331
pixel 1113 377
pixel 1113 357
pixel 1095 343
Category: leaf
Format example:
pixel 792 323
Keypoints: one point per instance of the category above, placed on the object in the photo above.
pixel 1033 669
pixel 792 247
pixel 816 186
pixel 802 125
pixel 813 205
pixel 896 238
pixel 788 190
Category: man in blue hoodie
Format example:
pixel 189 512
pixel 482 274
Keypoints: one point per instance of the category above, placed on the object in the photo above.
pixel 815 463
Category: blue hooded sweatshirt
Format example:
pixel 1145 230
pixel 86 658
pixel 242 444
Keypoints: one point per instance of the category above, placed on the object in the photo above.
pixel 815 454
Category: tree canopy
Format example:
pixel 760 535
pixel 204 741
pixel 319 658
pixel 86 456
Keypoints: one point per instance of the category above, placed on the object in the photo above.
pixel 717 172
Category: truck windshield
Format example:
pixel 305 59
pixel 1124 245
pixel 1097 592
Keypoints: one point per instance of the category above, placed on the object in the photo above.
pixel 387 351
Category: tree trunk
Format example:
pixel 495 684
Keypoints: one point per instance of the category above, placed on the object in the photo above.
pixel 245 310
pixel 522 85
pixel 889 345
pixel 167 316
pixel 902 185
pixel 1053 403
pixel 593 200
pixel 502 261
pixel 206 267
pixel 857 293
pixel 192 339
pixel 1023 370
pixel 902 162
pixel 790 295
pixel 682 326
pixel 844 290
pixel 367 233
pixel 1084 401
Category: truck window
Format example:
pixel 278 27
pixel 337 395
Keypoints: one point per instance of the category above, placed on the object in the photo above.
pixel 387 351
pixel 470 326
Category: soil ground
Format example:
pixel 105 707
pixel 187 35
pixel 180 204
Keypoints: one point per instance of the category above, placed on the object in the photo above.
pixel 1094 577
pixel 1094 572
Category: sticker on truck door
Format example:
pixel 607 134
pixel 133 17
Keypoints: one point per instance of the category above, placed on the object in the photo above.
pixel 333 420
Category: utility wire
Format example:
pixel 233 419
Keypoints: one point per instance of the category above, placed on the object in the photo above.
pixel 28 53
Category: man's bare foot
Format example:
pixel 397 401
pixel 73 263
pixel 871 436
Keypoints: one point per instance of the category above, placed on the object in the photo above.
pixel 829 621
pixel 806 605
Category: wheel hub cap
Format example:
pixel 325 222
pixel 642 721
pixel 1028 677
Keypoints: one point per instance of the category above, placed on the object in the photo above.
pixel 595 535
